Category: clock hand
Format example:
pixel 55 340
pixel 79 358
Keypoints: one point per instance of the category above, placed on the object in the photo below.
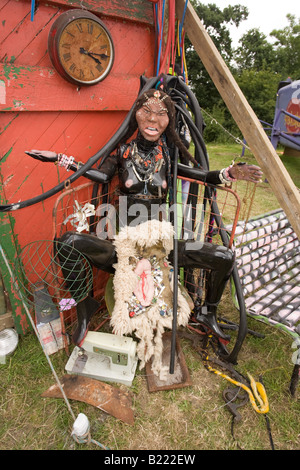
pixel 103 56
pixel 83 51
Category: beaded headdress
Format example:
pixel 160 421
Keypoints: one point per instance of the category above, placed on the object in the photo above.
pixel 156 98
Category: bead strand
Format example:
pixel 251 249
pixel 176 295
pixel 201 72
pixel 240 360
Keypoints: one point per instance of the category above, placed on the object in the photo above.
pixel 225 176
pixel 65 161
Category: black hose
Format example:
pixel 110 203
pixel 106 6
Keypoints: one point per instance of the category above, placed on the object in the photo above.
pixel 201 156
pixel 243 327
pixel 196 110
pixel 196 137
pixel 103 153
pixel 178 87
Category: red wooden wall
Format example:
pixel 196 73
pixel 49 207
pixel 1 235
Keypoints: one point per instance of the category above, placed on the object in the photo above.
pixel 40 110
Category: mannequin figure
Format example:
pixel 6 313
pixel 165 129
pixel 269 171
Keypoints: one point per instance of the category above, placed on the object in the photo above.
pixel 144 166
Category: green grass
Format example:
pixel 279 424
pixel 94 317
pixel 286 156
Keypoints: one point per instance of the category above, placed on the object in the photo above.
pixel 221 155
pixel 191 418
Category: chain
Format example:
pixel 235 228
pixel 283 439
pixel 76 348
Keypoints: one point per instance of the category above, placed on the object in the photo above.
pixel 236 139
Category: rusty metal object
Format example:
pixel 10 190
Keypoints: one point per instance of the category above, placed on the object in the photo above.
pixel 107 398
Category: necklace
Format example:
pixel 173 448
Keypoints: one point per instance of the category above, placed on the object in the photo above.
pixel 145 165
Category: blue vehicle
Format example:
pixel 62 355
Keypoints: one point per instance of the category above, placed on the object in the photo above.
pixel 286 125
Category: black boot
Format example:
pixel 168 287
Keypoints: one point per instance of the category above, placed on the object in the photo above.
pixel 85 310
pixel 206 315
pixel 99 253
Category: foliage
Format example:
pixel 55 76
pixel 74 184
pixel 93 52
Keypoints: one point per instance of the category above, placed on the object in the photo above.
pixel 260 86
pixel 255 52
pixel 216 21
pixel 287 46
pixel 258 65
pixel 220 126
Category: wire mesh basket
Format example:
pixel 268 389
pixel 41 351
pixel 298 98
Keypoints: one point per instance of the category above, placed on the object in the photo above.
pixel 53 274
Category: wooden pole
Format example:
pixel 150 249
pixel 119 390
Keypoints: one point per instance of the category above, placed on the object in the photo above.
pixel 287 193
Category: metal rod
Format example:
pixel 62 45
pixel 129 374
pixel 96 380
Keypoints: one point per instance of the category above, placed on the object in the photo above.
pixel 37 333
pixel 175 266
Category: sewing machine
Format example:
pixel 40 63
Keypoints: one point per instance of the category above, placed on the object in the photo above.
pixel 106 357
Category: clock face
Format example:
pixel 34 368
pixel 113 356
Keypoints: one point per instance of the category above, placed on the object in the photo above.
pixel 81 48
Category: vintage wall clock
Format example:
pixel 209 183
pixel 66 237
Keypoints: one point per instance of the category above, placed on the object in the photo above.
pixel 80 47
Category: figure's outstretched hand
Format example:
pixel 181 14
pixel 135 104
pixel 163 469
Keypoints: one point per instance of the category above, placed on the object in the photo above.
pixel 43 155
pixel 245 172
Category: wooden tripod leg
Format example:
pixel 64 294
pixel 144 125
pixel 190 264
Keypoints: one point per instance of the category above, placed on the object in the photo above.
pixel 282 184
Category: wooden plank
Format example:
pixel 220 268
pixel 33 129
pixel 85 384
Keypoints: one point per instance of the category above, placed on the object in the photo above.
pixel 6 321
pixel 6 121
pixel 28 88
pixel 21 135
pixel 8 245
pixel 140 11
pixel 44 111
pixel 77 134
pixel 86 143
pixel 27 77
pixel 12 16
pixel 284 188
pixel 23 34
pixel 3 3
pixel 28 46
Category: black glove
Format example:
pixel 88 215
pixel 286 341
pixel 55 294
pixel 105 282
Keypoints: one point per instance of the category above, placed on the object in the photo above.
pixel 43 155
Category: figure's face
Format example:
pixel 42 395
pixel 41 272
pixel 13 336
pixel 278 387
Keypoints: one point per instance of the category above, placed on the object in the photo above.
pixel 152 119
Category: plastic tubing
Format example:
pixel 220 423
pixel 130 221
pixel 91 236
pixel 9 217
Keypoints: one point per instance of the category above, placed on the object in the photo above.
pixel 170 38
pixel 161 37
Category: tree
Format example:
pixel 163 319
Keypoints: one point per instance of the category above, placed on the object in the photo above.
pixel 287 47
pixel 259 88
pixel 255 52
pixel 261 65
pixel 258 65
pixel 216 22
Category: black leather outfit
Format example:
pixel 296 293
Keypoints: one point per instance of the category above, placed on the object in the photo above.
pixel 150 189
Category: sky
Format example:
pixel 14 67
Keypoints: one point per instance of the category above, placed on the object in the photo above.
pixel 265 15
